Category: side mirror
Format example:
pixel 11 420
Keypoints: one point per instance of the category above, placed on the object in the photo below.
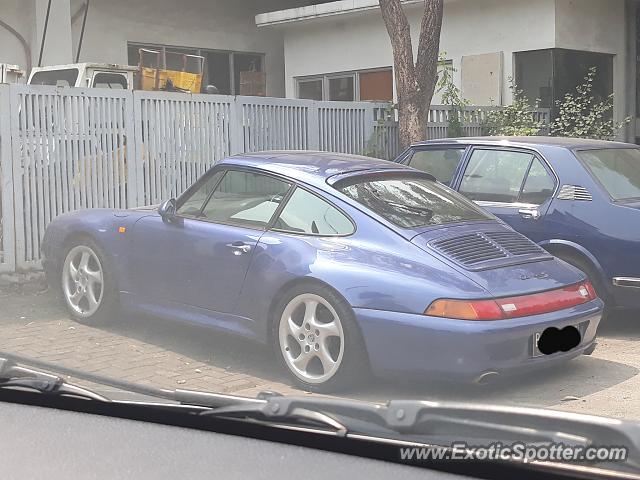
pixel 167 209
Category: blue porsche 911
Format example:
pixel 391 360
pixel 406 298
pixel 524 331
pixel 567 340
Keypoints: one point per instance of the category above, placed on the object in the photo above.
pixel 344 264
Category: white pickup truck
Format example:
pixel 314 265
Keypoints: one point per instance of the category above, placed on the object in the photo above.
pixel 97 75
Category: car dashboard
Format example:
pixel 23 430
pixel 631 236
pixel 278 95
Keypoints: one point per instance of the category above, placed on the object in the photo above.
pixel 41 442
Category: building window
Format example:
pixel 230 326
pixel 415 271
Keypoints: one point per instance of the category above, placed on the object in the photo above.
pixel 232 73
pixel 548 75
pixel 376 85
pixel 310 89
pixel 373 85
pixel 342 89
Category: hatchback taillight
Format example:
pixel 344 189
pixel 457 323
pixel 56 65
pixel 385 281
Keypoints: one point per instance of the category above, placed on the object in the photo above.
pixel 513 307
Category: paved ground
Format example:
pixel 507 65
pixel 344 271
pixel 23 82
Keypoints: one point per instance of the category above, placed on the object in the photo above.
pixel 152 351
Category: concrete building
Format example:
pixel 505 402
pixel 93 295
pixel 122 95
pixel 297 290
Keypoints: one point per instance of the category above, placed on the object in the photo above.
pixel 221 30
pixel 340 50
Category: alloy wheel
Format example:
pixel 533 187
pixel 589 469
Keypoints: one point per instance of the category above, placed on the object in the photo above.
pixel 311 338
pixel 83 281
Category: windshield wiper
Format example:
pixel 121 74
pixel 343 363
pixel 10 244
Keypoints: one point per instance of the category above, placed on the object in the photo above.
pixel 440 423
pixel 418 422
pixel 15 376
pixel 20 372
pixel 271 410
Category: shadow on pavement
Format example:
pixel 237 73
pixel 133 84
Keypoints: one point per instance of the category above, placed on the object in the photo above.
pixel 577 378
pixel 233 353
pixel 621 324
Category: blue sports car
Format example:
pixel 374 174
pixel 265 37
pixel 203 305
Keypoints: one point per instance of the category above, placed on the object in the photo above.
pixel 578 199
pixel 344 264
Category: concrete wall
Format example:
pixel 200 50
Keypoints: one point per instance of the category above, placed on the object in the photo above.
pixel 210 24
pixel 598 26
pixel 20 18
pixel 471 27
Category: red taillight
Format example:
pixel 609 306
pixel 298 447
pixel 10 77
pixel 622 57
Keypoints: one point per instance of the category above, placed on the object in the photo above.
pixel 513 307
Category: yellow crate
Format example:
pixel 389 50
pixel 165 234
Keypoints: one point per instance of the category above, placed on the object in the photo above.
pixel 191 82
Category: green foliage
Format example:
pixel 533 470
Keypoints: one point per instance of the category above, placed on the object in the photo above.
pixel 517 119
pixel 375 144
pixel 581 115
pixel 451 96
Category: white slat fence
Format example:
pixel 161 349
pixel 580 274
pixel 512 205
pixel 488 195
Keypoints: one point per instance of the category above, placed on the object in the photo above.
pixel 68 153
pixel 178 137
pixel 64 149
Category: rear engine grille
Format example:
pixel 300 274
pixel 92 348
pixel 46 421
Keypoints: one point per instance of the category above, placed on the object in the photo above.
pixel 514 243
pixel 477 250
pixel 470 249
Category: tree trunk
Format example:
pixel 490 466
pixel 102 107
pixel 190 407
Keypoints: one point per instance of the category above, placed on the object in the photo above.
pixel 415 82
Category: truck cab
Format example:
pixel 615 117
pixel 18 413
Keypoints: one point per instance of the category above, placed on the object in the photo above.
pixel 96 75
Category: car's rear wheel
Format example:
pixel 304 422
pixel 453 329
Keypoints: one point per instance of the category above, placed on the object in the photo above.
pixel 318 341
pixel 86 283
pixel 592 275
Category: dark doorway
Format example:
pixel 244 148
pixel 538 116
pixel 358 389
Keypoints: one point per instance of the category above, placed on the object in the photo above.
pixel 219 72
pixel 548 75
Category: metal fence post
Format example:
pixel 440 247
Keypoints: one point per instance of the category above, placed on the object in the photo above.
pixel 7 230
pixel 369 124
pixel 16 172
pixel 313 127
pixel 135 160
pixel 236 128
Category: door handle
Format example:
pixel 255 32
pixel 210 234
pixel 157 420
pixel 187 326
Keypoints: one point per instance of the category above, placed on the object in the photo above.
pixel 239 248
pixel 532 213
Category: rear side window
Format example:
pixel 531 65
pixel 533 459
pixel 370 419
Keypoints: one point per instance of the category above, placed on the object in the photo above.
pixel 617 170
pixel 539 185
pixel 442 163
pixel 495 175
pixel 411 201
pixel 307 213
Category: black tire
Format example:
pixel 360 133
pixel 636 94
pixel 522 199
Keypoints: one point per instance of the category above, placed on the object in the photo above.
pixel 354 366
pixel 108 306
pixel 591 273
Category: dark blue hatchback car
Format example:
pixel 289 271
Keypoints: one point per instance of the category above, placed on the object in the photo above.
pixel 579 199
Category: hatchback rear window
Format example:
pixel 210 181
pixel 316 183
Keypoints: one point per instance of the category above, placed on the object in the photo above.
pixel 410 201
pixel 617 170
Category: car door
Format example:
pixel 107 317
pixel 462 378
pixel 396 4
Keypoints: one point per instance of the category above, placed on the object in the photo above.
pixel 515 185
pixel 200 258
pixel 308 224
pixel 442 161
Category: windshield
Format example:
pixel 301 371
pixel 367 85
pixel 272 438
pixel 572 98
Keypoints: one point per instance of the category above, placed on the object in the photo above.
pixel 359 200
pixel 617 170
pixel 410 201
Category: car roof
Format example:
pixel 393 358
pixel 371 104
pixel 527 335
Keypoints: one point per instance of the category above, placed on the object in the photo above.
pixel 563 142
pixel 309 166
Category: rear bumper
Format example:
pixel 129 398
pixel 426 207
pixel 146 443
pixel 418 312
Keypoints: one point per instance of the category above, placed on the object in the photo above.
pixel 416 346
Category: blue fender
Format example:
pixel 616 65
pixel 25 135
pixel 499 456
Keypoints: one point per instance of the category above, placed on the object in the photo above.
pixel 582 250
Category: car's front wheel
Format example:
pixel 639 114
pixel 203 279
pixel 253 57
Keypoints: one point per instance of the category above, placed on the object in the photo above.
pixel 86 283
pixel 318 340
